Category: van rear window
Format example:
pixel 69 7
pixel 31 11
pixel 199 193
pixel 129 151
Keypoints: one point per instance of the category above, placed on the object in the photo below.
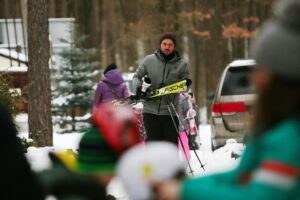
pixel 237 81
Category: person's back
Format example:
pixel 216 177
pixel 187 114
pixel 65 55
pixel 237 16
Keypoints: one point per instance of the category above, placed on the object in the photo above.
pixel 110 87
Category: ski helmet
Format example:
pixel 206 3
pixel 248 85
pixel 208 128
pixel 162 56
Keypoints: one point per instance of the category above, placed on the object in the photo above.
pixel 145 163
pixel 118 125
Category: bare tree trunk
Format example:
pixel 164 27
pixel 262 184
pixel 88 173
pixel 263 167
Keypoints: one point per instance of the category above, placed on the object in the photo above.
pixel 114 32
pixel 124 41
pixel 229 46
pixel 95 23
pixel 23 4
pixel 104 34
pixel 140 50
pixel 39 94
pixel 64 8
pixel 246 47
pixel 75 9
pixel 52 11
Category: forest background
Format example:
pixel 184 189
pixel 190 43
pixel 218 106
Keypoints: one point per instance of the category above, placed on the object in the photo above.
pixel 210 33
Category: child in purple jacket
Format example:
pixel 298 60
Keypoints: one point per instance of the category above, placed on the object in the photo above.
pixel 110 87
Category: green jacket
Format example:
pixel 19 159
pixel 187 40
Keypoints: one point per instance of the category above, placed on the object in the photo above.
pixel 160 71
pixel 269 169
pixel 65 184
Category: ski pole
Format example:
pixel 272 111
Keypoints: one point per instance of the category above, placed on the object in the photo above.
pixel 180 122
pixel 181 143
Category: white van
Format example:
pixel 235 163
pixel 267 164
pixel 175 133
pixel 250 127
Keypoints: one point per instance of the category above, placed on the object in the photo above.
pixel 232 104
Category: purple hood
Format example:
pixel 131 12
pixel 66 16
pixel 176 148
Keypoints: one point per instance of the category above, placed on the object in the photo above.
pixel 113 77
pixel 110 87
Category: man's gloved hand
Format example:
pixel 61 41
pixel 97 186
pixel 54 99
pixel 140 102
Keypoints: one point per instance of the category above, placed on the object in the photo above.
pixel 146 83
pixel 140 94
pixel 137 94
pixel 133 97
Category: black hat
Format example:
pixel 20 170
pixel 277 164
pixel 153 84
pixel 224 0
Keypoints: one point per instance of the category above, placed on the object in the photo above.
pixel 168 35
pixel 109 67
pixel 277 46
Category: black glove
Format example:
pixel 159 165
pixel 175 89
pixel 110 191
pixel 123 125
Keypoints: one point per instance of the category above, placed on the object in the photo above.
pixel 146 83
pixel 133 97
pixel 188 82
pixel 137 94
pixel 140 94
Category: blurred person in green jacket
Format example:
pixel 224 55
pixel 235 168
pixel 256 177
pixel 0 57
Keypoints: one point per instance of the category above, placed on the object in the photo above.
pixel 86 175
pixel 270 166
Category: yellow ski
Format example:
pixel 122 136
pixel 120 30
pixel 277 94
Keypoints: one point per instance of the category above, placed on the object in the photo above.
pixel 169 89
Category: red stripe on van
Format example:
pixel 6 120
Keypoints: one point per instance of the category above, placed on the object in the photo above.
pixel 229 107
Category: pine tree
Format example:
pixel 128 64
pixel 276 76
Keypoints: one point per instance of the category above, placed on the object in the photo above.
pixel 74 81
pixel 9 97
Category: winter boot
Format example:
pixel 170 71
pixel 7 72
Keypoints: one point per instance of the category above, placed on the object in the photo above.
pixel 192 142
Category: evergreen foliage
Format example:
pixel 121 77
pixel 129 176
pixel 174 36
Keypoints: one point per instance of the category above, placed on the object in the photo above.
pixel 25 143
pixel 9 97
pixel 73 84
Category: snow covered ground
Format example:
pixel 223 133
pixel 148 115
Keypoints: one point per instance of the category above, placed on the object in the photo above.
pixel 217 161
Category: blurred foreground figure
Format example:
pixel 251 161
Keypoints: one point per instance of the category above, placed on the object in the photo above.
pixel 270 165
pixel 142 164
pixel 86 175
pixel 17 181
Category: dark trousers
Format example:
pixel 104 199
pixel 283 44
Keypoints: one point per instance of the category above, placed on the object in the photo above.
pixel 161 128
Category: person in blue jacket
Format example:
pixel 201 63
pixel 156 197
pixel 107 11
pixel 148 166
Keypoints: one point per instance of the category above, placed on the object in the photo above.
pixel 270 165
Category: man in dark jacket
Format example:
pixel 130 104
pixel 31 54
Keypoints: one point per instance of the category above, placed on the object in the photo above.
pixel 164 67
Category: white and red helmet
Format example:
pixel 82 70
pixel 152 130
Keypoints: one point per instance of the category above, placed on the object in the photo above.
pixel 118 125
